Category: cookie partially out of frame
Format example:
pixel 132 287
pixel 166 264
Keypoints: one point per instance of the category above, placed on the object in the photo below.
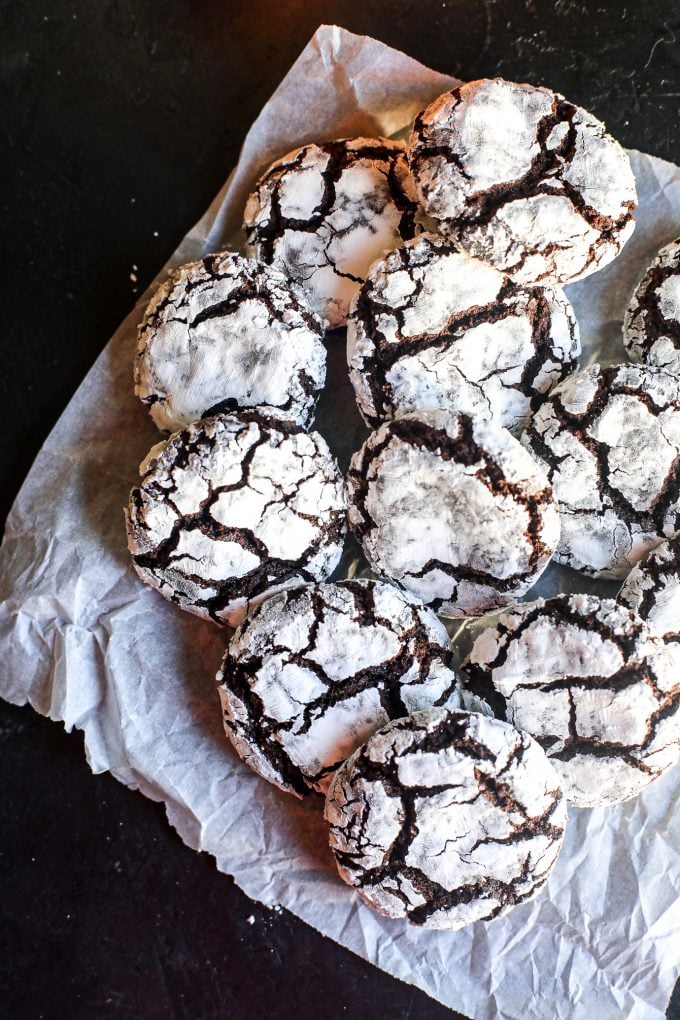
pixel 432 327
pixel 652 589
pixel 453 509
pixel 446 818
pixel 323 213
pixel 228 332
pixel 233 508
pixel 651 328
pixel 312 672
pixel 587 680
pixel 609 439
pixel 523 179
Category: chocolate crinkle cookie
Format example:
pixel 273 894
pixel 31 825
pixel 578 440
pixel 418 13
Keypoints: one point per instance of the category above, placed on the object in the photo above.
pixel 523 179
pixel 586 678
pixel 233 508
pixel 454 509
pixel 323 213
pixel 609 439
pixel 228 332
pixel 432 327
pixel 446 818
pixel 651 328
pixel 652 589
pixel 313 672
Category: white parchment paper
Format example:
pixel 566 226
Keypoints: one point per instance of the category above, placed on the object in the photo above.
pixel 83 641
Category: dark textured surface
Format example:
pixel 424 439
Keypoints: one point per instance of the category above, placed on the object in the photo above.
pixel 121 120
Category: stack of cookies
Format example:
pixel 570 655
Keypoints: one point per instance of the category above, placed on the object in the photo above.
pixel 491 455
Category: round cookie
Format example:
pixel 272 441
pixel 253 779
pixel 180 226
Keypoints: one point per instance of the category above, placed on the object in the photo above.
pixel 233 508
pixel 446 818
pixel 228 332
pixel 587 680
pixel 312 672
pixel 432 327
pixel 453 509
pixel 651 328
pixel 523 179
pixel 652 589
pixel 324 213
pixel 610 441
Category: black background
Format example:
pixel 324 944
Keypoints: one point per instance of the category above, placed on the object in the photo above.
pixel 121 119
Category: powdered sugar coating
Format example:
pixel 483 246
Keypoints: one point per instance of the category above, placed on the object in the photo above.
pixel 652 589
pixel 453 509
pixel 610 441
pixel 323 213
pixel 228 332
pixel 523 179
pixel 587 680
pixel 432 327
pixel 233 508
pixel 446 818
pixel 313 672
pixel 651 328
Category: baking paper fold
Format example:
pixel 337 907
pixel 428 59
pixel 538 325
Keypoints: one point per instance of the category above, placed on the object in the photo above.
pixel 83 641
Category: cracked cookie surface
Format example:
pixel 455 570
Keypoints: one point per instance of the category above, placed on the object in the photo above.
pixel 233 508
pixel 432 327
pixel 323 213
pixel 585 677
pixel 453 509
pixel 651 328
pixel 523 179
pixel 446 818
pixel 312 672
pixel 652 589
pixel 228 332
pixel 610 441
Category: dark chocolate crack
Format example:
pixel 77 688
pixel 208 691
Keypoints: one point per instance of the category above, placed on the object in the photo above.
pixel 250 282
pixel 159 561
pixel 512 300
pixel 635 669
pixel 482 206
pixel 667 500
pixel 242 668
pixel 545 175
pixel 646 306
pixel 339 157
pixel 305 244
pixel 464 450
pixel 660 569
pixel 394 871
